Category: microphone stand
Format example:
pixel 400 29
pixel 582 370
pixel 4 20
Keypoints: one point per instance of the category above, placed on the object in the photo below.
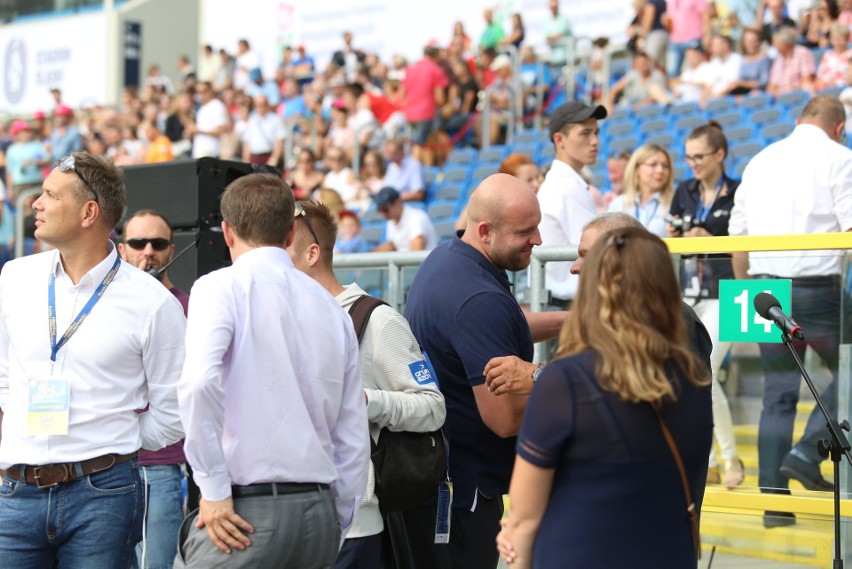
pixel 835 447
pixel 158 273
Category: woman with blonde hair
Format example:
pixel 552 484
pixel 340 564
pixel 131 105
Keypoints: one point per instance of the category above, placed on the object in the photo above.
pixel 648 188
pixel 617 429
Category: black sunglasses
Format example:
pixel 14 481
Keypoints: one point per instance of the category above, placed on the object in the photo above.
pixel 139 243
pixel 300 211
pixel 68 164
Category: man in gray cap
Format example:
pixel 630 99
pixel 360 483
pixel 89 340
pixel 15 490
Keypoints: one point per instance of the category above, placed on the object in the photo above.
pixel 564 197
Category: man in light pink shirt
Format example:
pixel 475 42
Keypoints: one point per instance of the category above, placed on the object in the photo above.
pixel 689 21
pixel 425 84
pixel 794 68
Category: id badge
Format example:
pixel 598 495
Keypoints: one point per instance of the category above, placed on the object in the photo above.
pixel 445 508
pixel 48 402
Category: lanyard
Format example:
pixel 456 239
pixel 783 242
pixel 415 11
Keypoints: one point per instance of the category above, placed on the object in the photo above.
pixel 702 212
pixel 51 309
pixel 653 211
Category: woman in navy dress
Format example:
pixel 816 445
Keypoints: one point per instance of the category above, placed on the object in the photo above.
pixel 595 484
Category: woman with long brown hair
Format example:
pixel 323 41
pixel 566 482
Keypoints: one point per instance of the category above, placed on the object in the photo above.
pixel 596 481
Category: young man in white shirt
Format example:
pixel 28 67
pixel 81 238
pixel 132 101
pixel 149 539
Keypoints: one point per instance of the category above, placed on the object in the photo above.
pixel 408 228
pixel 86 340
pixel 211 122
pixel 396 398
pixel 564 197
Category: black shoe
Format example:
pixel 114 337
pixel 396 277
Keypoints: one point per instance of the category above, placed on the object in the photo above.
pixel 773 519
pixel 805 472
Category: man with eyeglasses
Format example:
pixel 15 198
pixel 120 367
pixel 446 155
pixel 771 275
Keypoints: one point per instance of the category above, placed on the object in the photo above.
pixel 147 244
pixel 801 184
pixel 85 341
pixel 271 398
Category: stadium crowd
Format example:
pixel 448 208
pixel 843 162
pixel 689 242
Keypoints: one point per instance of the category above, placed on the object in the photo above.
pixel 359 135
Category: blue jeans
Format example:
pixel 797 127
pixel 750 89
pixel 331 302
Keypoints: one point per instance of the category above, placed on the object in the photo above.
pixel 816 307
pixel 92 523
pixel 163 516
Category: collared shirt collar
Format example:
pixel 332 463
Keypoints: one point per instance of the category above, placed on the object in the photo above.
pixel 470 252
pixel 564 169
pixel 265 252
pixel 96 274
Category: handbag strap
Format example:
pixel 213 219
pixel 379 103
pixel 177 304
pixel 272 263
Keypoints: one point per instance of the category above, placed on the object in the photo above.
pixel 690 503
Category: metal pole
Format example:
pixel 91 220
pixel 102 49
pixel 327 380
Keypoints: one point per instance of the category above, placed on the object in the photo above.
pixel 19 219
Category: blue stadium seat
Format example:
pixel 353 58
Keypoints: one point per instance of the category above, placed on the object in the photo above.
pixel 679 173
pixel 654 126
pixel 439 210
pixel 795 111
pixel 545 153
pixel 648 112
pixel 666 140
pixel 831 91
pixel 730 119
pixel 461 156
pixel 527 148
pixel 528 136
pixel 740 168
pixel 485 170
pixel 620 113
pixel 770 115
pixel 745 149
pixel 494 153
pixel 776 131
pixel 446 229
pixel 793 98
pixel 372 215
pixel 628 143
pixel 738 133
pixel 683 109
pixel 611 129
pixel 453 173
pixel 755 102
pixel 719 105
pixel 374 234
pixel 686 124
pixel 448 192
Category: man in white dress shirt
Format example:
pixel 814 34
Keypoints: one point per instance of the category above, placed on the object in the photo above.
pixel 801 184
pixel 564 197
pixel 271 399
pixel 86 340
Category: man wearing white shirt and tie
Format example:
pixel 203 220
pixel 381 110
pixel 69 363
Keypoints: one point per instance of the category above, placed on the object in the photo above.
pixel 564 197
pixel 86 340
pixel 271 399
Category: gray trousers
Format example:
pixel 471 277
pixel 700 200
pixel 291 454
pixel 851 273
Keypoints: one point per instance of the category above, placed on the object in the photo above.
pixel 293 531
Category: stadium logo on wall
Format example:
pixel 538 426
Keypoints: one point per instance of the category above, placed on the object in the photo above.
pixel 14 76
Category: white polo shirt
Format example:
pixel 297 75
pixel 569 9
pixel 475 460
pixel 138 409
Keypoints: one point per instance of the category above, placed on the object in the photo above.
pixel 412 224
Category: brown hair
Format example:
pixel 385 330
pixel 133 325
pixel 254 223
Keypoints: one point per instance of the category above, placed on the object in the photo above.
pixel 712 131
pixel 325 227
pixel 259 208
pixel 628 311
pixel 152 213
pixel 104 179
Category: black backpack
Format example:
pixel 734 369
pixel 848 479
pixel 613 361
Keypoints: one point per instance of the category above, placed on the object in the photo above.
pixel 408 466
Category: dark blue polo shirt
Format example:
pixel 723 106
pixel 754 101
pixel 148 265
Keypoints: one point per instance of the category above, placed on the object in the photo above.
pixel 462 312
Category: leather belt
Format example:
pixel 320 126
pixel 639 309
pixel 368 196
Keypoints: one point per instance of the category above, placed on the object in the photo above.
pixel 276 489
pixel 51 475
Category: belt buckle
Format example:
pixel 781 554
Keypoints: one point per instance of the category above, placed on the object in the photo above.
pixel 37 474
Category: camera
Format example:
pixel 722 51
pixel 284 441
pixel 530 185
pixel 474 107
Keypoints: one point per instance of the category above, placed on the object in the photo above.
pixel 683 224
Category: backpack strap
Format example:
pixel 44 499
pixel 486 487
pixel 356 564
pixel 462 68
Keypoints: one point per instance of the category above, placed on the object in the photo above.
pixel 360 312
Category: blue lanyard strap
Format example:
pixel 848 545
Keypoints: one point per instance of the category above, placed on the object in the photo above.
pixel 702 212
pixel 51 308
pixel 653 211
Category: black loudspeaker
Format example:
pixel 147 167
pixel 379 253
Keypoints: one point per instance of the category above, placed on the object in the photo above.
pixel 188 193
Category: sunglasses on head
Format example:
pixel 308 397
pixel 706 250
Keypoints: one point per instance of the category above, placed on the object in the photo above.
pixel 68 164
pixel 300 212
pixel 139 243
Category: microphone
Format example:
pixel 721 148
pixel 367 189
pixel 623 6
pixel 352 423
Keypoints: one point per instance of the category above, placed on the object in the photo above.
pixel 770 309
pixel 161 272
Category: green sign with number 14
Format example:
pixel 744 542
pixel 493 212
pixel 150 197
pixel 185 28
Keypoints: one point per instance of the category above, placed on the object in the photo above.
pixel 739 321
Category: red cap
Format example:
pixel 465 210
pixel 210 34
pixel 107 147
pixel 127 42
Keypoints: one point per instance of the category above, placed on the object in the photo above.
pixel 62 111
pixel 19 126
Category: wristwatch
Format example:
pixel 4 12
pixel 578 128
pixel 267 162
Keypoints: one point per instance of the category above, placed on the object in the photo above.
pixel 537 372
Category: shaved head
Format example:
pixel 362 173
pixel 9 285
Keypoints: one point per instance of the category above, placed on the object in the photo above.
pixel 502 221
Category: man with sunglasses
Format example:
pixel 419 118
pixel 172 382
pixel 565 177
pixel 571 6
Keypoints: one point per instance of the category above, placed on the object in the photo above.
pixel 147 244
pixel 85 341
pixel 271 398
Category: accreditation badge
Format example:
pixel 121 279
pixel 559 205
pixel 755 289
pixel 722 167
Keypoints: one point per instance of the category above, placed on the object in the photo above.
pixel 47 406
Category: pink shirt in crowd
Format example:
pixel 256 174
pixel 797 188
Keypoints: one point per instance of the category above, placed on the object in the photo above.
pixel 420 82
pixel 788 73
pixel 687 17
